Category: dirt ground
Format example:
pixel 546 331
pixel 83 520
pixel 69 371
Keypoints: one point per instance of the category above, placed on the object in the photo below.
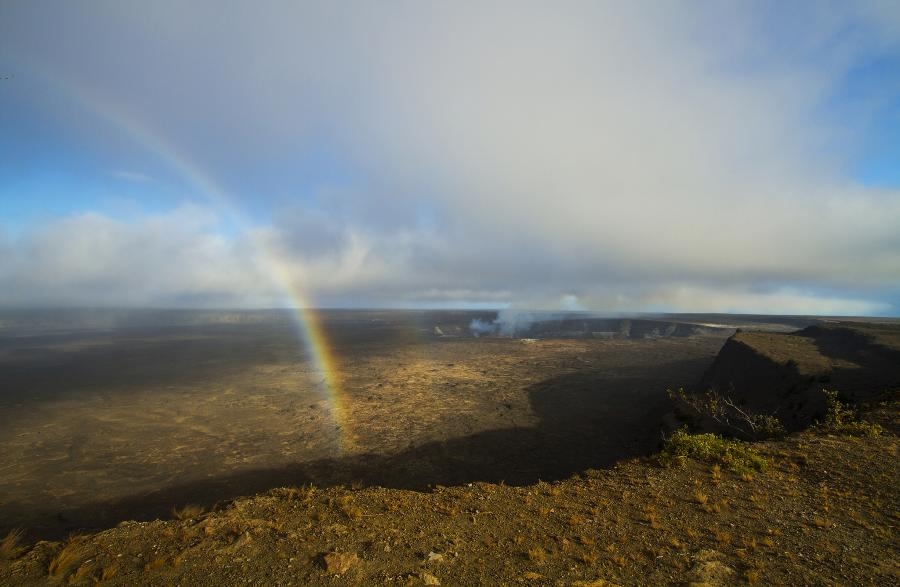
pixel 823 513
pixel 106 426
pixel 504 462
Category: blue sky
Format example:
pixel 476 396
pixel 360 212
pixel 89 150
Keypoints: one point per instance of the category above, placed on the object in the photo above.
pixel 657 156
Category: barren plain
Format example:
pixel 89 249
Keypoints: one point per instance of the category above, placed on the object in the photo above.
pixel 127 421
pixel 428 455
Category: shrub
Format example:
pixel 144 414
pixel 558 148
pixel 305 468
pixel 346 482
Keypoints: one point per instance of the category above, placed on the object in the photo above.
pixel 842 419
pixel 725 411
pixel 734 455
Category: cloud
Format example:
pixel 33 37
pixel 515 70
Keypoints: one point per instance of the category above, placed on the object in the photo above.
pixel 627 155
pixel 172 259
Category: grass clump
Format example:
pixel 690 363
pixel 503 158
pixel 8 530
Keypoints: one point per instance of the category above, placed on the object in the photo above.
pixel 66 557
pixel 710 448
pixel 537 555
pixel 842 419
pixel 11 545
pixel 107 573
pixel 188 512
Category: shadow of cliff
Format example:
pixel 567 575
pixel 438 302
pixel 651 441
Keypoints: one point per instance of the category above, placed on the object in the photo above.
pixel 860 362
pixel 863 364
pixel 589 419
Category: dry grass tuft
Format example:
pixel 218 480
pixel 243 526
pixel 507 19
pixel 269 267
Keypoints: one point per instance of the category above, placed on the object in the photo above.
pixel 11 546
pixel 294 493
pixel 701 497
pixel 189 512
pixel 156 563
pixel 66 557
pixel 107 573
pixel 351 510
pixel 721 536
pixel 537 555
pixel 84 570
pixel 820 522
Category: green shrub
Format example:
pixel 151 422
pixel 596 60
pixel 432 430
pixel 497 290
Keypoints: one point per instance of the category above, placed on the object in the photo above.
pixel 734 455
pixel 842 419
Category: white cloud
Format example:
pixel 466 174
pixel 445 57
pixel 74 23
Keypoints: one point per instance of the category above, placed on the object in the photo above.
pixel 170 259
pixel 629 154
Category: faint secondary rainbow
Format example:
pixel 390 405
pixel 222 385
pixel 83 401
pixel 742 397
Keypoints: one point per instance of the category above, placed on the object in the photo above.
pixel 307 324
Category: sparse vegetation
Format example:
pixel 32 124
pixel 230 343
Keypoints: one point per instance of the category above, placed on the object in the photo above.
pixel 794 509
pixel 725 411
pixel 734 455
pixel 11 545
pixel 304 493
pixel 721 536
pixel 537 555
pixel 156 563
pixel 191 511
pixel 108 572
pixel 83 571
pixel 842 419
pixel 350 509
pixel 66 557
pixel 589 558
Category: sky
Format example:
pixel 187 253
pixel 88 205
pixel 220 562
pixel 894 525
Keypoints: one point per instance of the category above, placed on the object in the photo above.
pixel 612 156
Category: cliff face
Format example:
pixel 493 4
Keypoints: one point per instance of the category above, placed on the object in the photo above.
pixel 783 374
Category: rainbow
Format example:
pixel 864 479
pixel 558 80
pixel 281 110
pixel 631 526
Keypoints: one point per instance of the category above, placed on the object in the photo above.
pixel 308 327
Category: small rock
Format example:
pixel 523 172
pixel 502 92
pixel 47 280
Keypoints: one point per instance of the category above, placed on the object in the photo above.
pixel 338 563
pixel 434 557
pixel 429 579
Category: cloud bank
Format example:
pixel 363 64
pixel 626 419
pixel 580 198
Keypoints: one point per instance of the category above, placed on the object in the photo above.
pixel 660 156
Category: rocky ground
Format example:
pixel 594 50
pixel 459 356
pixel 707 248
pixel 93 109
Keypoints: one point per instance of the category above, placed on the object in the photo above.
pixel 126 429
pixel 817 507
pixel 824 511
